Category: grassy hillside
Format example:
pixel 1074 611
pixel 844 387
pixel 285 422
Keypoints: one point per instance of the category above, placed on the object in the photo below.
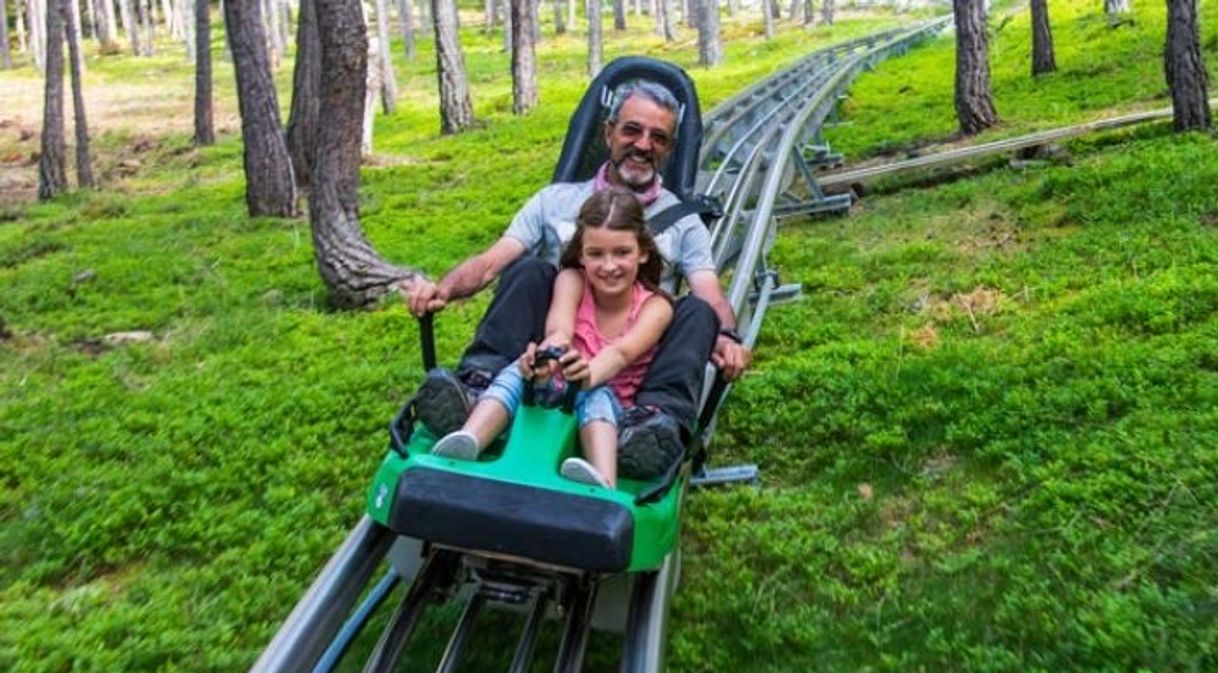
pixel 988 432
pixel 1103 69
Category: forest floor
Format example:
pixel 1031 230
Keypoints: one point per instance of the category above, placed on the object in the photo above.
pixel 987 432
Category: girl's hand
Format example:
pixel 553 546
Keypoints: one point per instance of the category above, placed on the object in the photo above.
pixel 531 369
pixel 575 368
pixel 525 363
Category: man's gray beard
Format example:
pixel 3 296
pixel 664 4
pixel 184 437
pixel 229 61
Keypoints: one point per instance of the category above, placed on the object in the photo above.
pixel 651 178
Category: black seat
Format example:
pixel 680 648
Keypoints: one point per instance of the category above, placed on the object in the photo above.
pixel 485 515
pixel 583 150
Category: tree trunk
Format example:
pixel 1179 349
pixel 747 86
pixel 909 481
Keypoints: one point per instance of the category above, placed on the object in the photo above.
pixel 306 94
pixel 72 23
pixel 107 11
pixel 274 46
pixel 36 13
pixel 205 133
pixel 489 15
pixel 150 28
pixel 619 15
pixel 536 22
pixel 270 188
pixel 353 272
pixel 1042 40
pixel 389 83
pixel 524 59
pixel 186 17
pixel 103 23
pixel 91 8
pixel 285 23
pixel 809 13
pixel 710 45
pixel 456 108
pixel 570 13
pixel 767 16
pixel 426 16
pixel 426 21
pixel 144 27
pixel 52 164
pixel 406 16
pixel 6 53
pixel 127 14
pixel 372 89
pixel 560 19
pixel 20 17
pixel 974 107
pixel 1115 7
pixel 1185 69
pixel 666 25
pixel 826 12
pixel 507 27
pixel 84 166
pixel 793 10
pixel 168 17
pixel 595 46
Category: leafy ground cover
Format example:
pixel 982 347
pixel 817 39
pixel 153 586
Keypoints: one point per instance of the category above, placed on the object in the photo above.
pixel 988 432
pixel 1105 68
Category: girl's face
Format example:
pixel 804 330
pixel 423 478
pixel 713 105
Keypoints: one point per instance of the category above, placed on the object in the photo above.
pixel 611 259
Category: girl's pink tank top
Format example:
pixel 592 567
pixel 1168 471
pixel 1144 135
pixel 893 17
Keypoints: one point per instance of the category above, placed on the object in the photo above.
pixel 589 340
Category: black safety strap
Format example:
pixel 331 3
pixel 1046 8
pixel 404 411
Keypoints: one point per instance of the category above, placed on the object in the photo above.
pixel 704 206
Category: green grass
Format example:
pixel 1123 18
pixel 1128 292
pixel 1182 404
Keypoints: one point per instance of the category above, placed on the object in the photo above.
pixel 1102 70
pixel 1028 487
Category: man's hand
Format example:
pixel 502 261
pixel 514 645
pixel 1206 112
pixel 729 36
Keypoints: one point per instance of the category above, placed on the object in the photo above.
pixel 730 357
pixel 425 297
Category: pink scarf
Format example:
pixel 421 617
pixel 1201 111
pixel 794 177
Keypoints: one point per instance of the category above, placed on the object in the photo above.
pixel 646 198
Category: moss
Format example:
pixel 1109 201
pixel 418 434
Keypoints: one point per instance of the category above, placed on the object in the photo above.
pixel 986 432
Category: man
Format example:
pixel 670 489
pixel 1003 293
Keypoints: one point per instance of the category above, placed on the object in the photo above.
pixel 640 134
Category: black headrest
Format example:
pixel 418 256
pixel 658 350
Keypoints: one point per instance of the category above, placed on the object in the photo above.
pixel 583 150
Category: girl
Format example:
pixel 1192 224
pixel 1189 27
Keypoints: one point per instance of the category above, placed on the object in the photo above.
pixel 607 314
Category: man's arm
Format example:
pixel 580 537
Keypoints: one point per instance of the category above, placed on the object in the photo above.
pixel 466 279
pixel 729 356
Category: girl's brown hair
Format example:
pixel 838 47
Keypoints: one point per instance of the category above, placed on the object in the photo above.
pixel 617 209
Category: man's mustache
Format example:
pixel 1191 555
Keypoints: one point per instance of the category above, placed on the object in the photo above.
pixel 649 157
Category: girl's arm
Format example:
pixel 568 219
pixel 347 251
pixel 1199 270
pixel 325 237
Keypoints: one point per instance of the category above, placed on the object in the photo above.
pixel 560 321
pixel 654 317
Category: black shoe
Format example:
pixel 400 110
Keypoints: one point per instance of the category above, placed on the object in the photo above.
pixel 649 444
pixel 443 402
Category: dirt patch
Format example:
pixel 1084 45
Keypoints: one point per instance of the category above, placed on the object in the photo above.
pixel 980 302
pixel 975 305
pixel 147 109
pixel 18 160
pixel 925 337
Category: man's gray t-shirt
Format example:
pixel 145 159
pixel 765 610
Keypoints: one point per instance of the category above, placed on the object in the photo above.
pixel 547 222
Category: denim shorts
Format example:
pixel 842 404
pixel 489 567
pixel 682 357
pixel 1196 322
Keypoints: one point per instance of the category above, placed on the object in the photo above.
pixel 598 404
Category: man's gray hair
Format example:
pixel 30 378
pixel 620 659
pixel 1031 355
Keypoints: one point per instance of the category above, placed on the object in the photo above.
pixel 656 93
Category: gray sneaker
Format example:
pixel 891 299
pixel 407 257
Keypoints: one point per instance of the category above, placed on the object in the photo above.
pixel 459 444
pixel 580 470
pixel 649 443
pixel 443 402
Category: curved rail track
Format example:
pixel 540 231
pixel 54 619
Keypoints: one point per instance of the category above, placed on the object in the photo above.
pixel 758 148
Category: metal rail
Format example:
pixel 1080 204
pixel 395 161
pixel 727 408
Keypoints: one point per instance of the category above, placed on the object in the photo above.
pixel 760 137
pixel 959 154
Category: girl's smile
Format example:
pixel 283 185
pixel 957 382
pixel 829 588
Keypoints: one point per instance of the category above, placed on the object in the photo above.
pixel 611 259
